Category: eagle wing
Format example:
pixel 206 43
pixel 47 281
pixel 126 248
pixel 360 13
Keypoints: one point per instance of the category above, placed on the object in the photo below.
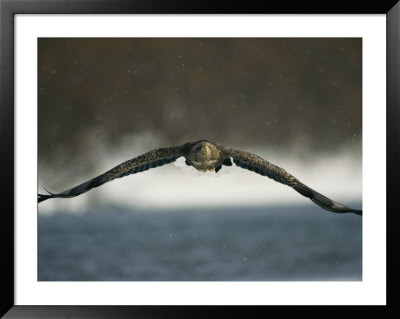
pixel 260 166
pixel 138 164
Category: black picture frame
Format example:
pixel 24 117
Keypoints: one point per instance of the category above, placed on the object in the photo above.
pixel 8 10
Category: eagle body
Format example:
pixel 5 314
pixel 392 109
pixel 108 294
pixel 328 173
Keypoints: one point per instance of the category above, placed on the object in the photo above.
pixel 204 155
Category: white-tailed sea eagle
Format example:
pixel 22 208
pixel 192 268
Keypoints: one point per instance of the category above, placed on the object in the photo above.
pixel 204 155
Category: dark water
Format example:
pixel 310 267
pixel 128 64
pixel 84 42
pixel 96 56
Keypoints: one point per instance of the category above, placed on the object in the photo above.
pixel 256 244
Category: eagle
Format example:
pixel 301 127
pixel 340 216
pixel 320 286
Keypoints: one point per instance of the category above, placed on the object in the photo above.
pixel 204 156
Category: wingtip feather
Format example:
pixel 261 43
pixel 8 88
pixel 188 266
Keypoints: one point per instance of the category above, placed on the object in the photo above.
pixel 42 197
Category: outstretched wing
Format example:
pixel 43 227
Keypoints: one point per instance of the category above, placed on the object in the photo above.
pixel 260 166
pixel 138 164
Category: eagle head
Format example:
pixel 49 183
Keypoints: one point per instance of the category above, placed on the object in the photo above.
pixel 204 155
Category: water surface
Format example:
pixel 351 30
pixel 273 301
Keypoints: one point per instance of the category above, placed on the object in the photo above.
pixel 226 244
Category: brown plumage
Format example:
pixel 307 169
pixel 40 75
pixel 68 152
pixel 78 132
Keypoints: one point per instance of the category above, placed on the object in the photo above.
pixel 204 155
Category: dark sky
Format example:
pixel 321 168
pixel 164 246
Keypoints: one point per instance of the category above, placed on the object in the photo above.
pixel 264 92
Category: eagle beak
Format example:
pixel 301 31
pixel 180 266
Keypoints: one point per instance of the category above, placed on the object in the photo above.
pixel 207 150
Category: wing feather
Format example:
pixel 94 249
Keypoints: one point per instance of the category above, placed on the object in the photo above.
pixel 152 159
pixel 260 166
